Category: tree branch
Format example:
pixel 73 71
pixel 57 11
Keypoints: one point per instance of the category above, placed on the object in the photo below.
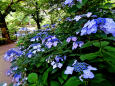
pixel 9 7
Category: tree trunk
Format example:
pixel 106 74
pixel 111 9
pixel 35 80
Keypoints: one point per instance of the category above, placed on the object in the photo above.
pixel 4 29
pixel 37 16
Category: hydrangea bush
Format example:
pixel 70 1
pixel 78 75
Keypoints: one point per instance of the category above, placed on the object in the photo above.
pixel 79 52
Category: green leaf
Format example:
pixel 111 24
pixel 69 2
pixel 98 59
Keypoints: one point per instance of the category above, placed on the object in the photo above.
pixel 73 81
pixel 87 44
pixel 99 80
pixel 101 44
pixel 54 83
pixel 60 80
pixel 89 56
pixel 32 78
pixel 45 76
pixel 38 65
pixel 64 76
pixel 109 48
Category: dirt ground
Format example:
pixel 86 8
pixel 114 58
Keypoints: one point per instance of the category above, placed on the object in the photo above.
pixel 4 66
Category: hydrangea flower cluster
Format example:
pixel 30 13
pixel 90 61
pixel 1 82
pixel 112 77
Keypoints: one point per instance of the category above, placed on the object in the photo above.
pixel 81 67
pixel 50 41
pixel 57 61
pixel 71 2
pixel 12 54
pixel 35 38
pixel 105 24
pixel 33 49
pixel 75 42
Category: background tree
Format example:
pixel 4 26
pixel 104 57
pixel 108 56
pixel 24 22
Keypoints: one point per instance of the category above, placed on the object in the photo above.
pixel 5 9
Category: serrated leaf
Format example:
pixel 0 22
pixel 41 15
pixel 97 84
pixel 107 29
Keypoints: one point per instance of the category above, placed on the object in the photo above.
pixel 89 56
pixel 73 81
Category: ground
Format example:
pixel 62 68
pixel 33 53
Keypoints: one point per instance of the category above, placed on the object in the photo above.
pixel 4 66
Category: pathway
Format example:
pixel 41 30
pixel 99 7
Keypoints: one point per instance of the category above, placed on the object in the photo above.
pixel 4 66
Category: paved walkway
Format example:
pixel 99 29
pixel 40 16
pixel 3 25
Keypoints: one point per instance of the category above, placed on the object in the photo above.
pixel 4 66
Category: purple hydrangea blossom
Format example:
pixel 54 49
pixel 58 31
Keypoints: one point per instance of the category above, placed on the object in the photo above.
pixel 77 44
pixel 59 58
pixel 50 41
pixel 71 39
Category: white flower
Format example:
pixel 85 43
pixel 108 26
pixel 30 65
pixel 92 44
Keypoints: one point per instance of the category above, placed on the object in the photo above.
pixel 60 65
pixel 80 77
pixel 55 43
pixel 87 74
pixel 88 14
pixel 29 55
pixel 80 1
pixel 35 47
pixel 34 51
pixel 32 40
pixel 77 18
pixel 69 70
pixel 91 68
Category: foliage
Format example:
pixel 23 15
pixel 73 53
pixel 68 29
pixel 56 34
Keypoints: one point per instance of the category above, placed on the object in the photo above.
pixel 79 50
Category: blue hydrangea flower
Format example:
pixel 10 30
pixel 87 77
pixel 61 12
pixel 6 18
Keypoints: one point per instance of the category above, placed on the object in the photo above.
pixel 87 73
pixel 29 55
pixel 46 25
pixel 69 70
pixel 89 27
pixel 77 44
pixel 14 52
pixel 88 14
pixel 77 18
pixel 80 66
pixel 68 2
pixel 59 58
pixel 109 26
pixel 68 19
pixel 50 41
pixel 55 64
pixel 36 38
pixel 16 78
pixel 9 72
